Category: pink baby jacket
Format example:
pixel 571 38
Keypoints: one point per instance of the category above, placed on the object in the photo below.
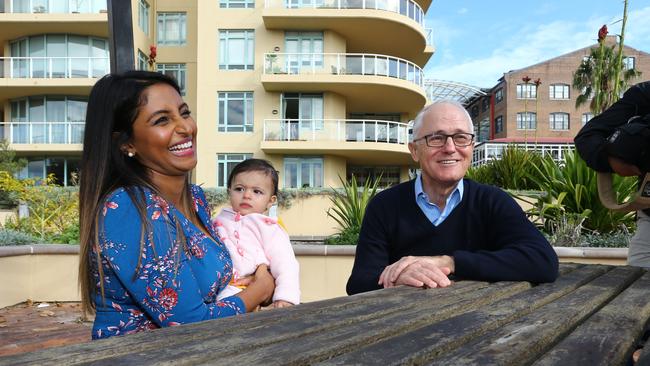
pixel 256 239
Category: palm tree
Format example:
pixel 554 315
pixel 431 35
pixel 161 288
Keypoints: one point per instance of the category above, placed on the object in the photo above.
pixel 601 75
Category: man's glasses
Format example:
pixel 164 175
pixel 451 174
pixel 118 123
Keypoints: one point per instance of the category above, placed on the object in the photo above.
pixel 440 139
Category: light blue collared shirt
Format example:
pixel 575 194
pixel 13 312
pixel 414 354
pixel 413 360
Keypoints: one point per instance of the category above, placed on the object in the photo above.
pixel 431 210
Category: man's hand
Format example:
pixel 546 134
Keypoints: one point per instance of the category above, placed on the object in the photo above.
pixel 622 168
pixel 418 272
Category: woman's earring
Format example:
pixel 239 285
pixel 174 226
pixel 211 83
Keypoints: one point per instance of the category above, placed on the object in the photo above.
pixel 130 154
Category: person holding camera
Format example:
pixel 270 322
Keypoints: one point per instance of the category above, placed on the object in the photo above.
pixel 618 141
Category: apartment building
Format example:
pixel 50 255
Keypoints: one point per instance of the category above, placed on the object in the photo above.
pixel 535 106
pixel 321 88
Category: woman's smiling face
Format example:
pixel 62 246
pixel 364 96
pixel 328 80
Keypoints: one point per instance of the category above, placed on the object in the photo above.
pixel 164 133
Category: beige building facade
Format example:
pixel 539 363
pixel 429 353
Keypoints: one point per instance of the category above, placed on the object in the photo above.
pixel 321 88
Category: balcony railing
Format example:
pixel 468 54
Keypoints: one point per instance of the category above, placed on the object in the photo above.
pixel 342 64
pixel 42 132
pixel 429 36
pixel 407 8
pixel 53 67
pixel 488 151
pixel 350 130
pixel 56 7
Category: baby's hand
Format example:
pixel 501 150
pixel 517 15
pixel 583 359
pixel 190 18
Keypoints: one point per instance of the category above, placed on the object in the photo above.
pixel 281 304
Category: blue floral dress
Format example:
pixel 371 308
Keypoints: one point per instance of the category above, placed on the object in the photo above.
pixel 176 282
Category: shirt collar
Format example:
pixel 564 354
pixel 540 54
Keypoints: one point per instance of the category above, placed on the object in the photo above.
pixel 419 191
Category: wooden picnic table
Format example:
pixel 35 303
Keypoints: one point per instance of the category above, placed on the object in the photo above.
pixel 592 315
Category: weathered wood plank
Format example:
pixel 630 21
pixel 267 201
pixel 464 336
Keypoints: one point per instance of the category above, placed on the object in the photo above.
pixel 382 302
pixel 443 336
pixel 330 313
pixel 521 341
pixel 608 337
pixel 246 348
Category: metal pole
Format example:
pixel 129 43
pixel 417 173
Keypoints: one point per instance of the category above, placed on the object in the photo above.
pixel 120 35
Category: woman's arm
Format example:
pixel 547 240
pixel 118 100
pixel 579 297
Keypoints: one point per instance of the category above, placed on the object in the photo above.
pixel 165 286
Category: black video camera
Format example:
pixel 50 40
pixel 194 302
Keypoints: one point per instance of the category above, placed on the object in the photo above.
pixel 631 142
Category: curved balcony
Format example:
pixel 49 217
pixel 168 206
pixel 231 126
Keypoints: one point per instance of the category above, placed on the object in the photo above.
pixel 28 134
pixel 358 140
pixel 369 82
pixel 53 67
pixel 55 7
pixel 401 21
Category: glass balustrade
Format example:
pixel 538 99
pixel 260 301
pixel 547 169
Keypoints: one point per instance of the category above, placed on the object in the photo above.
pixel 343 64
pixel 408 8
pixel 53 67
pixel 42 132
pixel 348 130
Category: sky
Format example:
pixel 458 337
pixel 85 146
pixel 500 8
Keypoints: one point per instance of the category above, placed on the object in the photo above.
pixel 477 41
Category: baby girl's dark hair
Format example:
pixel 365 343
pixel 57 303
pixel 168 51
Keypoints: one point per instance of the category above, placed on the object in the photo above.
pixel 255 165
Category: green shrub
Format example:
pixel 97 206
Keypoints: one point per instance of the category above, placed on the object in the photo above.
pixel 572 190
pixel 345 237
pixel 349 207
pixel 13 237
pixel 513 170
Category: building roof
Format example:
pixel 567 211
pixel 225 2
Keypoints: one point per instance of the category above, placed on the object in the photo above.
pixel 445 89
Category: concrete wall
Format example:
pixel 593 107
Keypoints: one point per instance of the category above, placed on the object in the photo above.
pixel 49 272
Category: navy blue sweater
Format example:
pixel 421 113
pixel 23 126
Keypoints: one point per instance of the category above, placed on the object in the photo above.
pixel 488 235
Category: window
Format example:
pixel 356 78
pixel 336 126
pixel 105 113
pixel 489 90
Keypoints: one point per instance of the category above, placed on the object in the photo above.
pixel 59 56
pixel 225 164
pixel 628 63
pixel 526 121
pixel 172 29
pixel 237 4
pixel 65 170
pixel 475 111
pixel 498 95
pixel 303 172
pixel 559 121
pixel 47 120
pixel 485 104
pixel 389 174
pixel 558 91
pixel 143 16
pixel 305 50
pixel 526 91
pixel 177 71
pixel 586 117
pixel 498 124
pixel 143 61
pixel 235 112
pixel 236 49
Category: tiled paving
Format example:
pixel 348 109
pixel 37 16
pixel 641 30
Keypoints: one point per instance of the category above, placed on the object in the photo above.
pixel 26 327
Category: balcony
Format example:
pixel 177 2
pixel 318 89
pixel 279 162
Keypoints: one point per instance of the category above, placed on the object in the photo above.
pixel 24 135
pixel 358 140
pixel 15 24
pixel 403 32
pixel 373 83
pixel 53 67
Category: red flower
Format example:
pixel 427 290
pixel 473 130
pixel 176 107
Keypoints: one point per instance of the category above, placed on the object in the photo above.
pixel 526 79
pixel 152 54
pixel 168 298
pixel 602 33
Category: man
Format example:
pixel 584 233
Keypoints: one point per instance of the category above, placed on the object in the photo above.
pixel 420 232
pixel 592 145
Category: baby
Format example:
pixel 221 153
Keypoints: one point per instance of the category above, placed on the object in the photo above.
pixel 253 238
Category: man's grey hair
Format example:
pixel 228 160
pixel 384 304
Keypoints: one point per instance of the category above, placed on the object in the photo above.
pixel 417 122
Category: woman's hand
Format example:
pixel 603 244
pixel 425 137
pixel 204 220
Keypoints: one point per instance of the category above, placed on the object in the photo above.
pixel 260 288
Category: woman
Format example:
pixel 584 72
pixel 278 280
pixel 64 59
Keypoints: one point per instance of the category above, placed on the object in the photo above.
pixel 149 256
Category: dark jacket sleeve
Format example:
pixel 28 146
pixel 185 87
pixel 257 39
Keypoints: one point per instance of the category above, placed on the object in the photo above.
pixel 372 253
pixel 590 141
pixel 514 249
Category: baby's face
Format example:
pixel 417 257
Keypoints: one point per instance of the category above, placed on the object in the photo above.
pixel 251 192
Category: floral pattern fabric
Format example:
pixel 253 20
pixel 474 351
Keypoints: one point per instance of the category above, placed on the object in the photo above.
pixel 176 282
